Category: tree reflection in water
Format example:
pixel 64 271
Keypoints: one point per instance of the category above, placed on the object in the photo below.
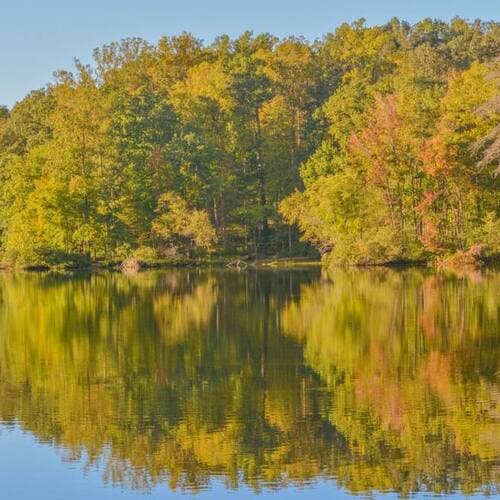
pixel 379 379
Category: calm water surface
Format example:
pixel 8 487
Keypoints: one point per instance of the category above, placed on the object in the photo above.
pixel 289 384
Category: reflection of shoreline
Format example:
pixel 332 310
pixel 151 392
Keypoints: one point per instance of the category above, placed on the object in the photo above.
pixel 404 354
pixel 182 377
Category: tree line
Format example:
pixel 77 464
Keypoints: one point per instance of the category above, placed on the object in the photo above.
pixel 372 144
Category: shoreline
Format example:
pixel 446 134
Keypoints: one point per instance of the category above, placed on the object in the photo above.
pixel 139 266
pixel 238 264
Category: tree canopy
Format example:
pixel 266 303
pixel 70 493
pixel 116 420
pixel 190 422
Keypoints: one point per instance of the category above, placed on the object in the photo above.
pixel 376 143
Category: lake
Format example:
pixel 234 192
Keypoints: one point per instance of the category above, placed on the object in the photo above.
pixel 289 384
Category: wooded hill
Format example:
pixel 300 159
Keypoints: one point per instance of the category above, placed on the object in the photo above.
pixel 375 144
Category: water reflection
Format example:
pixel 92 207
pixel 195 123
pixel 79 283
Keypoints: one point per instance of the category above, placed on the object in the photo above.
pixel 381 380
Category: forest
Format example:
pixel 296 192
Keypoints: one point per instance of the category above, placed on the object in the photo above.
pixel 373 144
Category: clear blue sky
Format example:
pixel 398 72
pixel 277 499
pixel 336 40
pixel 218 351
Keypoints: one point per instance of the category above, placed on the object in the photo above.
pixel 38 37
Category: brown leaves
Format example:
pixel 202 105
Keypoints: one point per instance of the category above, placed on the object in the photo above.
pixel 434 157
